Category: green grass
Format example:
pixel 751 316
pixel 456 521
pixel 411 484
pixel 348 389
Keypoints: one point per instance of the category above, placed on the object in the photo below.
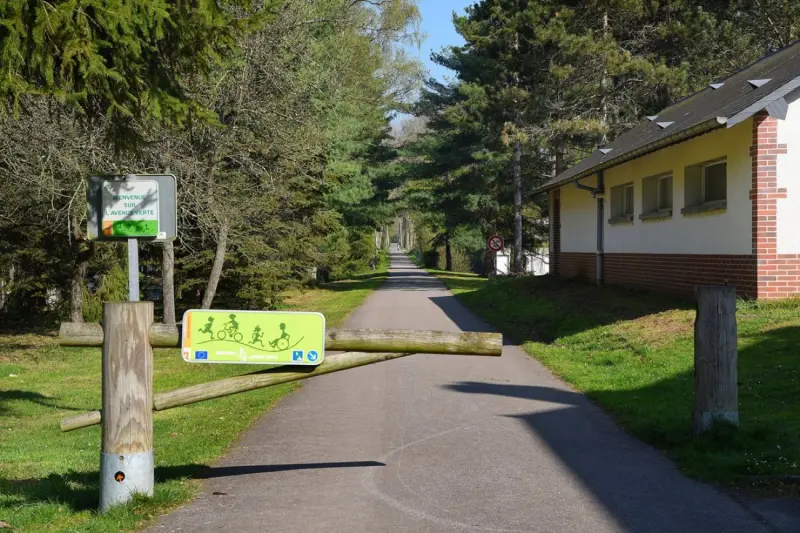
pixel 48 479
pixel 632 353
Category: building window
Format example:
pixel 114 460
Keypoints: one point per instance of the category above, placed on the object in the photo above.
pixel 621 204
pixel 714 182
pixel 656 197
pixel 665 192
pixel 706 187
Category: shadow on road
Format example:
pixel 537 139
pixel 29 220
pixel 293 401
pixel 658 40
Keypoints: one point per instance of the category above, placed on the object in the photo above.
pixel 210 472
pixel 80 490
pixel 620 472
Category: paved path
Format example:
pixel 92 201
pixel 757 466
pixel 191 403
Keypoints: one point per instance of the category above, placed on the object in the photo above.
pixel 444 444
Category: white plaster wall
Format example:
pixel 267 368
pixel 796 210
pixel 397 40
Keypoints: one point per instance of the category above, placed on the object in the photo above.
pixel 725 232
pixel 535 263
pixel 788 168
pixel 502 260
pixel 578 218
pixel 538 263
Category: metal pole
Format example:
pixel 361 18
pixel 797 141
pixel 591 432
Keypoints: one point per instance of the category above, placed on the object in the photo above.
pixel 600 265
pixel 133 270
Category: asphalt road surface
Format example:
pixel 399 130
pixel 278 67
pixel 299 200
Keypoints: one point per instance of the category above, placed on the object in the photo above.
pixel 436 443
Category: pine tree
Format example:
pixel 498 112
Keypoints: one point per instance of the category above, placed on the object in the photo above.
pixel 121 60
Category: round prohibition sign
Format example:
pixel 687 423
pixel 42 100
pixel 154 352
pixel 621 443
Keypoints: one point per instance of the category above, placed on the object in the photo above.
pixel 495 243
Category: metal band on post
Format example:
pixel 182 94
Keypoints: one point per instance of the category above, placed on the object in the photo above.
pixel 126 458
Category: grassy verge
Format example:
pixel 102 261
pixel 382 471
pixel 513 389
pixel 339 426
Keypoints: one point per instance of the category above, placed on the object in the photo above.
pixel 48 480
pixel 632 353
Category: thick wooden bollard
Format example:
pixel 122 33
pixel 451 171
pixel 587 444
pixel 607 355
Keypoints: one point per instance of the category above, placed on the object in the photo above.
pixel 126 458
pixel 716 395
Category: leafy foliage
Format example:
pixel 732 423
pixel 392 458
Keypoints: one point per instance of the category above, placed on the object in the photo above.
pixel 273 117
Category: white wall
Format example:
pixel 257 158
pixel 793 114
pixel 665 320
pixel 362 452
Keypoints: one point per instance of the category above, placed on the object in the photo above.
pixel 789 176
pixel 502 260
pixel 578 218
pixel 725 232
pixel 535 263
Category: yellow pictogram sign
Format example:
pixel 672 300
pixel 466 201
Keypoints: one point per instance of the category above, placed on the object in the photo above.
pixel 253 337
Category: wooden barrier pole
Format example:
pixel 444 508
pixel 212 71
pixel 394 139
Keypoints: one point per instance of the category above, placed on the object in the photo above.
pixel 355 340
pixel 716 396
pixel 247 382
pixel 126 458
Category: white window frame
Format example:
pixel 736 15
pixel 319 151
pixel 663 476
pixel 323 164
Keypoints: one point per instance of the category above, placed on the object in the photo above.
pixel 625 188
pixel 703 180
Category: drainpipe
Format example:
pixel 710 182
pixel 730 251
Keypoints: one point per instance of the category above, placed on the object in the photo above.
pixel 600 225
pixel 597 193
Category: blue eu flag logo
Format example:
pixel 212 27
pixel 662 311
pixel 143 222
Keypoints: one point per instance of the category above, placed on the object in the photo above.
pixel 200 355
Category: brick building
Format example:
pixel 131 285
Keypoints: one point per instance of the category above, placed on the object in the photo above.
pixel 706 192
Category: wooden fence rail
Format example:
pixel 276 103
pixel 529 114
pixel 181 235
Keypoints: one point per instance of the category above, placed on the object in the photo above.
pixel 356 340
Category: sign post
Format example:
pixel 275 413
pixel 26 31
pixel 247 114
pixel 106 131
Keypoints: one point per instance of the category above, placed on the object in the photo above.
pixel 133 270
pixel 130 208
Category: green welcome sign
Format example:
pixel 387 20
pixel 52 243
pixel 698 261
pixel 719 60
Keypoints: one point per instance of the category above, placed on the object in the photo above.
pixel 130 209
pixel 253 337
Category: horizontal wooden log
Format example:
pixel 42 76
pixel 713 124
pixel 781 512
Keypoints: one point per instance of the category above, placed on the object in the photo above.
pixel 361 340
pixel 90 334
pixel 92 418
pixel 411 341
pixel 266 378
pixel 247 382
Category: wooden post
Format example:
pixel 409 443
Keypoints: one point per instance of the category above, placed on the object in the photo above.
pixel 716 395
pixel 126 459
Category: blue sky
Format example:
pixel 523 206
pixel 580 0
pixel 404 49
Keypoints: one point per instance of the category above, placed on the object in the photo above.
pixel 437 26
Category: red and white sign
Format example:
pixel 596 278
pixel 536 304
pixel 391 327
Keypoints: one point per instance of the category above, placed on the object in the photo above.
pixel 495 243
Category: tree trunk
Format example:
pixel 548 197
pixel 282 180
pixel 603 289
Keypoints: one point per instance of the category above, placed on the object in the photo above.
pixel 448 255
pixel 385 244
pixel 604 90
pixel 6 286
pixel 216 269
pixel 518 266
pixel 559 168
pixel 168 282
pixel 488 263
pixel 77 282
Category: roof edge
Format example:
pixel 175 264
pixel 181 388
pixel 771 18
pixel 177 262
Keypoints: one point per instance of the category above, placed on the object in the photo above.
pixel 757 106
pixel 693 131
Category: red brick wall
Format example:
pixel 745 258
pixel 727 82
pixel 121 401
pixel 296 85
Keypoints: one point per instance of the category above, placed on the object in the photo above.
pixel 578 265
pixel 778 274
pixel 680 274
pixel 672 273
